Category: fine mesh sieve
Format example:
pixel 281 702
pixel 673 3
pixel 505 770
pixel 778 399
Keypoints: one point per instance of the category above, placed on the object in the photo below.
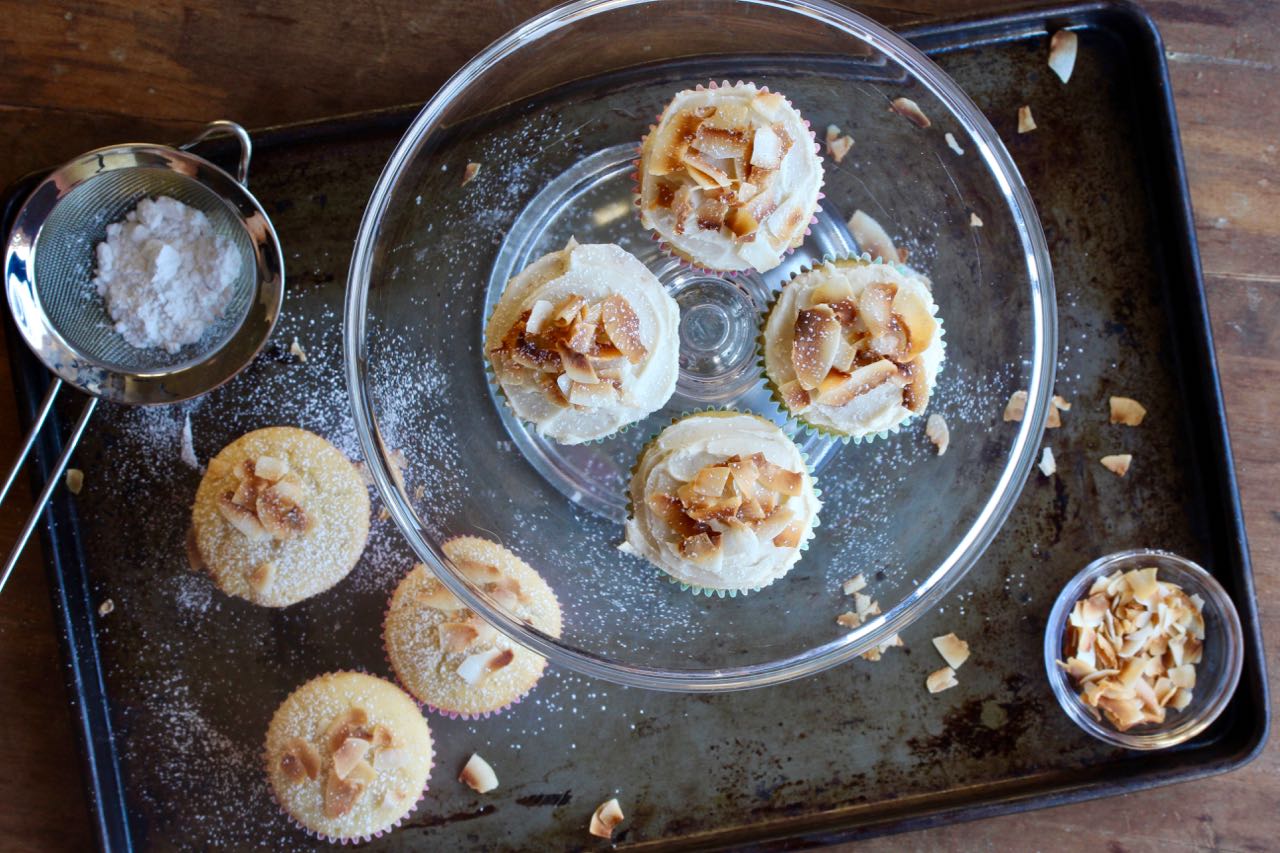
pixel 49 269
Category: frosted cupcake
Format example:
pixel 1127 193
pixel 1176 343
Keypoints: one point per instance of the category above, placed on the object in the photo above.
pixel 348 755
pixel 280 515
pixel 729 177
pixel 853 348
pixel 449 657
pixel 721 501
pixel 583 342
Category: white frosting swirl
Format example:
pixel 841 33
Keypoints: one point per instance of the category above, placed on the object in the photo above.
pixel 794 188
pixel 747 558
pixel 879 409
pixel 594 272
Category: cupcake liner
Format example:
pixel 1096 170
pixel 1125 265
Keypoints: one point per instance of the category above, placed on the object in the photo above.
pixel 445 712
pixel 718 592
pixel 775 394
pixel 354 839
pixel 683 257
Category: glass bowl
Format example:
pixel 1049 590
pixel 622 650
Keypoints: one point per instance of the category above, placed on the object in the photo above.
pixel 553 114
pixel 1216 675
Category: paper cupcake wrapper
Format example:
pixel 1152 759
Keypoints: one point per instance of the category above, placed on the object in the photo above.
pixel 718 592
pixel 447 712
pixel 366 837
pixel 683 257
pixel 775 394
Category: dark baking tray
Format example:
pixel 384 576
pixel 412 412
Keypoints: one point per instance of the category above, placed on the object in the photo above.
pixel 171 706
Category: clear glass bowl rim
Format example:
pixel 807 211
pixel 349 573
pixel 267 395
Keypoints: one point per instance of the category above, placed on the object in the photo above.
pixel 930 590
pixel 1182 730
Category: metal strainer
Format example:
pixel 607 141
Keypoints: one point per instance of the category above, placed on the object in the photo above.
pixel 49 265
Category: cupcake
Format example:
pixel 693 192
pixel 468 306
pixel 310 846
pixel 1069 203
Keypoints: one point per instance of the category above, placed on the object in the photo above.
pixel 281 515
pixel 584 342
pixel 348 755
pixel 729 177
pixel 721 501
pixel 853 348
pixel 449 657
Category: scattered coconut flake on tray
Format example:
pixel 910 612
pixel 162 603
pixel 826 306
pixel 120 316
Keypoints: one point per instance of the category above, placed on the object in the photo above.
pixel 478 775
pixel 1016 408
pixel 936 430
pixel 1118 464
pixel 942 679
pixel 1132 646
pixel 74 480
pixel 838 144
pixel 1026 123
pixel 296 350
pixel 954 650
pixel 1127 411
pixel 875 654
pixel 1048 465
pixel 106 607
pixel 187 452
pixel 857 583
pixel 911 111
pixel 975 221
pixel 952 144
pixel 849 620
pixel 871 236
pixel 469 173
pixel 1062 53
pixel 606 817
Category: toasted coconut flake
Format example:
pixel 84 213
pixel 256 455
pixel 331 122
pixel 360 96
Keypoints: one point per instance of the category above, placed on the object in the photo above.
pixel 790 537
pixel 106 607
pixel 349 723
pixel 911 111
pixel 592 396
pixel 1048 465
pixel 280 510
pixel 241 518
pixel 942 679
pixel 456 636
pixel 1026 123
pixel 75 480
pixel 711 480
pixel 849 620
pixel 952 144
pixel 437 597
pixel 954 650
pixel 936 430
pixel 348 755
pixel 340 795
pixel 296 350
pixel 1127 411
pixel 623 328
pixel 577 366
pixel 299 761
pixel 271 468
pixel 1061 404
pixel 975 221
pixel 838 146
pixel 475 668
pixel 857 583
pixel 1062 54
pixel 779 479
pixel 1016 408
pixel 839 390
pixel 541 316
pixel 700 546
pixel 262 576
pixel 871 237
pixel 605 819
pixel 766 149
pixel 865 605
pixel 478 775
pixel 1118 464
pixel 469 173
pixel 815 344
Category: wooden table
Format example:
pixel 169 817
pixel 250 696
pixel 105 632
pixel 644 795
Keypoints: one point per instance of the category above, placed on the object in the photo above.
pixel 76 75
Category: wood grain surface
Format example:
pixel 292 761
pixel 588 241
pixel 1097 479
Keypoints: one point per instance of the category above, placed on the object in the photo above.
pixel 76 75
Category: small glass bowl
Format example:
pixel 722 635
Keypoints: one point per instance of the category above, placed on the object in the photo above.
pixel 1216 674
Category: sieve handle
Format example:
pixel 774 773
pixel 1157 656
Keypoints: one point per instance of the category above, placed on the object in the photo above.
pixel 55 476
pixel 217 129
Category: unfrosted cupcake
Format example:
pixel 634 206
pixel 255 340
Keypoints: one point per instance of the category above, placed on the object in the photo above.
pixel 721 501
pixel 853 348
pixel 281 515
pixel 348 755
pixel 729 178
pixel 584 342
pixel 449 657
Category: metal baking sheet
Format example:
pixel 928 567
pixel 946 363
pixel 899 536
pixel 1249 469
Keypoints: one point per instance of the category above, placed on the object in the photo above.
pixel 174 688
